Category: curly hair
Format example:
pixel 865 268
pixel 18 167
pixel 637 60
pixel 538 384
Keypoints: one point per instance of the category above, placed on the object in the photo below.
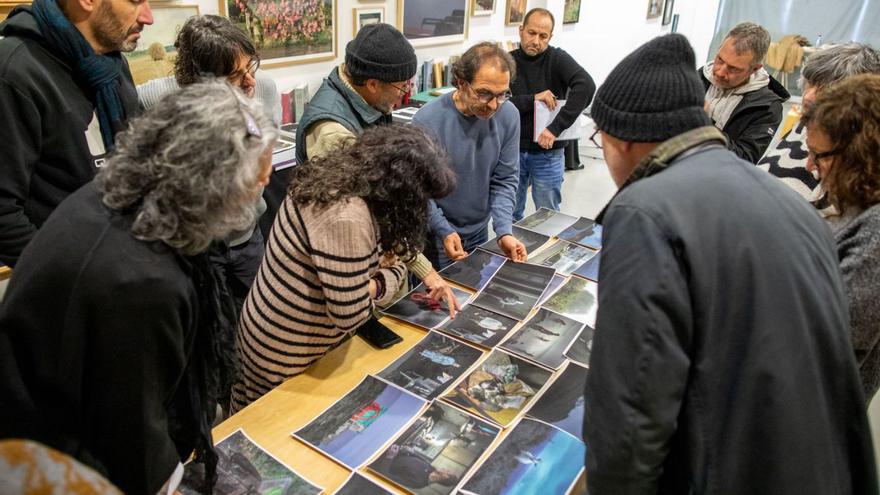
pixel 848 112
pixel 208 46
pixel 395 169
pixel 188 167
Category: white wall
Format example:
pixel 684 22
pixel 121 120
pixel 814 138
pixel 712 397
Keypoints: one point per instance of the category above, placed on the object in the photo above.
pixel 607 31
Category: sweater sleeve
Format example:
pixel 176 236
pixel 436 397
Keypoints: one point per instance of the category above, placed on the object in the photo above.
pixel 505 175
pixel 639 364
pixel 580 91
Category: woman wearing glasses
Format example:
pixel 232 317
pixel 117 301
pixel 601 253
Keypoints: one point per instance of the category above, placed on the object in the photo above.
pixel 843 138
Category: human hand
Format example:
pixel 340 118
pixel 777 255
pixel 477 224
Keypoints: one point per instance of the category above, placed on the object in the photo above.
pixel 439 290
pixel 548 98
pixel 452 246
pixel 513 248
pixel 546 139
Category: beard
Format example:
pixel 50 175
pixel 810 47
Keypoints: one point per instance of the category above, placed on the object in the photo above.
pixel 110 33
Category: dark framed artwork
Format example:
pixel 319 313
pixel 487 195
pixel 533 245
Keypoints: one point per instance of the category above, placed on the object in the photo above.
pixel 483 7
pixel 667 11
pixel 429 22
pixel 572 12
pixel 655 9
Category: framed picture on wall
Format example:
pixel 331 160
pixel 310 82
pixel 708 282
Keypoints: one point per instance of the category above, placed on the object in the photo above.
pixel 572 11
pixel 655 8
pixel 154 56
pixel 667 11
pixel 367 15
pixel 483 7
pixel 432 22
pixel 516 10
pixel 287 32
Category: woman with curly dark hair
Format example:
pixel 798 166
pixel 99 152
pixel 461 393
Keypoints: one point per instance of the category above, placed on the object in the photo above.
pixel 335 251
pixel 843 137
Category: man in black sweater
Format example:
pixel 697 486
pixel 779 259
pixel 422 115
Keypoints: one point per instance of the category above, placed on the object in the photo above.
pixel 544 73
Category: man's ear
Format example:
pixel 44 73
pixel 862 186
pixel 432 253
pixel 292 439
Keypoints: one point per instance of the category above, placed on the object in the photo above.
pixel 373 85
pixel 757 67
pixel 76 8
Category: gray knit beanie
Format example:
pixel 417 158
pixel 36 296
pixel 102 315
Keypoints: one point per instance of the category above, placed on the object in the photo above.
pixel 379 51
pixel 653 94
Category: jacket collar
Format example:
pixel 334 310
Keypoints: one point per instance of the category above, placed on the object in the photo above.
pixel 360 106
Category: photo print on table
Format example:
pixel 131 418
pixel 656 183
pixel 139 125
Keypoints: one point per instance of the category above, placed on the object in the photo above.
pixel 515 289
pixel 420 310
pixel 432 365
pixel 590 269
pixel 551 289
pixel 533 458
pixel 479 326
pixel 579 350
pixel 562 403
pixel 356 426
pixel 500 388
pixel 564 256
pixel 546 221
pixel 358 484
pixel 578 299
pixel 433 455
pixel 543 338
pixel 245 467
pixel 474 271
pixel 531 240
pixel 585 232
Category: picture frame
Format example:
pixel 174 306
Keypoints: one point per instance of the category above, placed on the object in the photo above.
pixel 515 12
pixel 281 41
pixel 147 61
pixel 572 12
pixel 363 16
pixel 482 7
pixel 655 9
pixel 429 22
pixel 668 6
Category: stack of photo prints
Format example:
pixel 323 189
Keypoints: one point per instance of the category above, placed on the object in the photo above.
pixel 488 402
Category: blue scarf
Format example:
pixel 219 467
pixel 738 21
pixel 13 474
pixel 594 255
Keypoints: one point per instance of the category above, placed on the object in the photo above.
pixel 97 72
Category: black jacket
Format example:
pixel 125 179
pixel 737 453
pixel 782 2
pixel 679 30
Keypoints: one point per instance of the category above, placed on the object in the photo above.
pixel 50 142
pixel 754 121
pixel 556 70
pixel 721 362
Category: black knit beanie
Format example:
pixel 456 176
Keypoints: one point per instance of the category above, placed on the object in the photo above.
pixel 379 51
pixel 653 94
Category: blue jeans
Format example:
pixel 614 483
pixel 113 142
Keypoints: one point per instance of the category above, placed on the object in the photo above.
pixel 544 171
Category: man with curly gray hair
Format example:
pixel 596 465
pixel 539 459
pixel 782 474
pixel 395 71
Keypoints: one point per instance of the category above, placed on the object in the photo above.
pixel 117 333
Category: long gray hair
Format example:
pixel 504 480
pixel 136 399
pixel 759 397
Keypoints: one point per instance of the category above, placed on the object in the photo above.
pixel 188 167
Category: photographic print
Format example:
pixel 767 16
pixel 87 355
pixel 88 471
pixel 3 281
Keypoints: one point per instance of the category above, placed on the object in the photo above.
pixel 667 11
pixel 547 222
pixel 244 467
pixel 356 426
pixel 364 16
pixel 475 270
pixel 516 10
pixel 531 240
pixel 555 284
pixel 479 326
pixel 533 458
pixel 515 289
pixel 420 310
pixel 543 338
pixel 428 22
pixel 562 404
pixel 564 256
pixel 483 7
pixel 590 269
pixel 572 11
pixel 358 484
pixel 585 232
pixel 577 299
pixel 436 451
pixel 654 9
pixel 500 388
pixel 433 364
pixel 286 32
pixel 579 350
pixel 155 53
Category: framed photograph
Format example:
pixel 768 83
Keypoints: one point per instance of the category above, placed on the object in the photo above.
pixel 483 7
pixel 668 6
pixel 516 10
pixel 654 9
pixel 429 22
pixel 572 12
pixel 154 56
pixel 287 32
pixel 366 15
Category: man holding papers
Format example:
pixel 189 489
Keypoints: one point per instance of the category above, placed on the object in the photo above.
pixel 545 74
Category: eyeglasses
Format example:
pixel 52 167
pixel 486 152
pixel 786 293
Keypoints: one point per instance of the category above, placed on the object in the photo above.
pixel 815 157
pixel 251 69
pixel 485 97
pixel 405 89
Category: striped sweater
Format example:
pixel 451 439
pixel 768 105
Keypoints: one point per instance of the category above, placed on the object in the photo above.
pixel 312 289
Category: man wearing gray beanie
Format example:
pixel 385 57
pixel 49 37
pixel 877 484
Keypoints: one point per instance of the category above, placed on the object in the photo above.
pixel 721 361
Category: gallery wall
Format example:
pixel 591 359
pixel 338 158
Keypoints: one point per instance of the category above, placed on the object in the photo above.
pixel 605 33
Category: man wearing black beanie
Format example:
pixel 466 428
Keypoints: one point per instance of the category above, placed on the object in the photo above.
pixel 706 375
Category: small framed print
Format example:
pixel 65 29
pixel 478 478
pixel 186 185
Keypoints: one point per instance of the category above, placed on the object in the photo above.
pixel 364 16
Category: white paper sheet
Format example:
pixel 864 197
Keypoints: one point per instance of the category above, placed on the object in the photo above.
pixel 544 116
